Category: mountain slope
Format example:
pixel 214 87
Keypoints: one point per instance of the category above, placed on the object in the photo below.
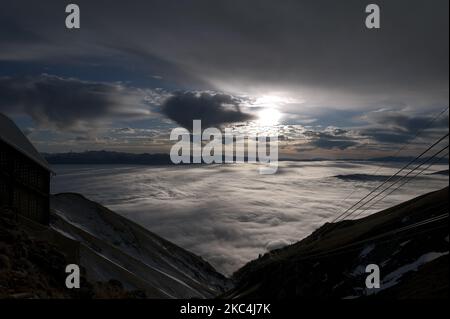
pixel 409 243
pixel 32 265
pixel 116 248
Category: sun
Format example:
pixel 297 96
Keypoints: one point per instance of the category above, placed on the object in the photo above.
pixel 268 117
pixel 269 105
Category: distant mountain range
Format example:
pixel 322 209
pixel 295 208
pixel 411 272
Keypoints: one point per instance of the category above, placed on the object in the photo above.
pixel 110 157
pixel 107 157
pixel 404 159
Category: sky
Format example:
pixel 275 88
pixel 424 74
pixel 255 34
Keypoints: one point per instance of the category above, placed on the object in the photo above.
pixel 308 71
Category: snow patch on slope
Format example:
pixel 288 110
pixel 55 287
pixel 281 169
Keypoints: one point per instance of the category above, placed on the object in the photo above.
pixel 117 248
pixel 394 277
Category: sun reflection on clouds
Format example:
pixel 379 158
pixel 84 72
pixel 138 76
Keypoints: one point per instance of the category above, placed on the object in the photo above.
pixel 275 99
pixel 271 100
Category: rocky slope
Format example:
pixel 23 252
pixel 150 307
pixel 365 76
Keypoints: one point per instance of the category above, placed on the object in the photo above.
pixel 33 268
pixel 120 259
pixel 113 247
pixel 408 242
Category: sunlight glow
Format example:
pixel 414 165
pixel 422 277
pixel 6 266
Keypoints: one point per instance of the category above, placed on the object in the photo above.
pixel 268 117
pixel 271 100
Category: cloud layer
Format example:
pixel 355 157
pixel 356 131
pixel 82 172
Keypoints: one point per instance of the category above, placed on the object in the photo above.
pixel 230 214
pixel 68 103
pixel 318 50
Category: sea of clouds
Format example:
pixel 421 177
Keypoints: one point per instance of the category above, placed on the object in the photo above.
pixel 229 214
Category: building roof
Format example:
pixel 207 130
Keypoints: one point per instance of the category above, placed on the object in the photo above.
pixel 12 135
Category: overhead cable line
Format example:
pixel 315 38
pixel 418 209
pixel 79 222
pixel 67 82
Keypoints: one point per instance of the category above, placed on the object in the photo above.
pixel 360 202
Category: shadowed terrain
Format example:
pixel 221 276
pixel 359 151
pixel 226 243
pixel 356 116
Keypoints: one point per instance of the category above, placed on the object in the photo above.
pixel 409 242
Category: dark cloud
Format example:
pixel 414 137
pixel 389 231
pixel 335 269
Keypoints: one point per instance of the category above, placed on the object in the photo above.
pixel 387 136
pixel 333 138
pixel 212 109
pixel 11 32
pixel 396 127
pixel 82 139
pixel 405 122
pixel 66 103
pixel 319 49
pixel 330 143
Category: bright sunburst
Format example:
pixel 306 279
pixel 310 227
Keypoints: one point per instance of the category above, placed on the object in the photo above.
pixel 268 117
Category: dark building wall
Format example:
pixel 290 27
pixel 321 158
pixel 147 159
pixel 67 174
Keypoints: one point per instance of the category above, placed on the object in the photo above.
pixel 24 185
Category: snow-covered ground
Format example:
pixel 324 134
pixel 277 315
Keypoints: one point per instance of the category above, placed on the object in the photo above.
pixel 116 248
pixel 229 214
